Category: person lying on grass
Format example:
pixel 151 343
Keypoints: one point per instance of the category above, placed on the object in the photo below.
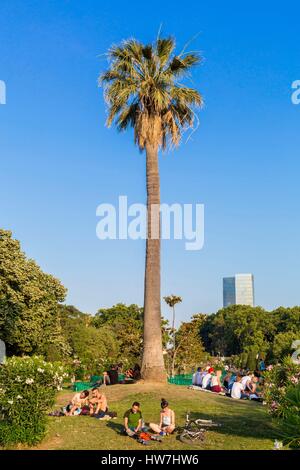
pixel 98 404
pixel 133 420
pixel 78 402
pixel 167 420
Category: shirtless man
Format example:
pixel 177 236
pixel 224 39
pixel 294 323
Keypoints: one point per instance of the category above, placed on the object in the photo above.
pixel 98 404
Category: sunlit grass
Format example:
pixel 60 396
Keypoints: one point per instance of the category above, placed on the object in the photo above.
pixel 244 425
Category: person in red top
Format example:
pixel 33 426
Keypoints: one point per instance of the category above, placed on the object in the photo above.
pixel 215 382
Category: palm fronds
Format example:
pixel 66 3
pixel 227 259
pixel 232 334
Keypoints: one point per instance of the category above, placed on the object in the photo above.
pixel 142 91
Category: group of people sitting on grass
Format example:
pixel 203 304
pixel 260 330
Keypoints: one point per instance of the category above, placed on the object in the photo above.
pixel 232 383
pixel 95 405
pixel 92 403
pixel 134 423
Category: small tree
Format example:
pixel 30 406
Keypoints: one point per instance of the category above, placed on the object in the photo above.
pixel 172 300
pixel 189 352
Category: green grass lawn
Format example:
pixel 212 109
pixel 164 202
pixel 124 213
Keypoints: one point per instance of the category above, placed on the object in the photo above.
pixel 244 425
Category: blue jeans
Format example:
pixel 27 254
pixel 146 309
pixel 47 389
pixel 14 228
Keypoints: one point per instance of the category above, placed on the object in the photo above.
pixel 101 414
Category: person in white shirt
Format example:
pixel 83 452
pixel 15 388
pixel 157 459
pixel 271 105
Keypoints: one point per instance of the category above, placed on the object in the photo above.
pixel 207 378
pixel 237 388
pixel 197 377
pixel 246 380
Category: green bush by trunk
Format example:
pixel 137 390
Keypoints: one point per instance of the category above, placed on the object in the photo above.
pixel 251 360
pixel 244 360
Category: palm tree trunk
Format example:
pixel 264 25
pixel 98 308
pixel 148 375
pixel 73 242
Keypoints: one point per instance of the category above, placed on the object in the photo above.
pixel 153 368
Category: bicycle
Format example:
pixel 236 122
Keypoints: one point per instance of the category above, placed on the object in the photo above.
pixel 193 432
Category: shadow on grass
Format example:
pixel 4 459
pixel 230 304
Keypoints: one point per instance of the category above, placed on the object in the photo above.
pixel 128 382
pixel 241 425
pixel 117 427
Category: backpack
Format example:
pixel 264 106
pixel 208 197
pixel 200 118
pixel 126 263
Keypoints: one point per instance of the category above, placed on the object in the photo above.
pixel 144 438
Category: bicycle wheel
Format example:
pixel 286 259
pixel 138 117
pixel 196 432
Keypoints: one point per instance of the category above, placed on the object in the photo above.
pixel 192 439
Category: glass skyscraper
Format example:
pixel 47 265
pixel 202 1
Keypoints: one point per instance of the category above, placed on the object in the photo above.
pixel 238 290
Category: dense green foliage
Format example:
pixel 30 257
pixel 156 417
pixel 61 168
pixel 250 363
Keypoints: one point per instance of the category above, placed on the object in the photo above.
pixel 239 328
pixel 189 351
pixel 28 387
pixel 282 394
pixel 126 321
pixel 113 335
pixel 127 324
pixel 29 301
pixel 94 349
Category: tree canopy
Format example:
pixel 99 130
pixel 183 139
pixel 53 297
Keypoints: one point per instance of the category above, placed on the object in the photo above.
pixel 29 300
pixel 189 352
pixel 144 90
pixel 241 328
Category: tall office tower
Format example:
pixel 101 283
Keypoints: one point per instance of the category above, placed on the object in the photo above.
pixel 238 290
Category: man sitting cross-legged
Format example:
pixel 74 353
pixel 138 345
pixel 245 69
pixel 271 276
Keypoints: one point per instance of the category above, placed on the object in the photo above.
pixel 98 405
pixel 133 420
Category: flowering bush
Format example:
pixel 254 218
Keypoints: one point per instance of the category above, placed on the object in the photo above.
pixel 28 386
pixel 279 379
pixel 82 370
pixel 282 394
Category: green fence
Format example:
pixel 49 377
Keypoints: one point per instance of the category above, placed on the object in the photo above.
pixel 96 378
pixel 181 379
pixel 80 386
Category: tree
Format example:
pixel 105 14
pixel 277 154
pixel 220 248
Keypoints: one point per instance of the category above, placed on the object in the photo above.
pixel 282 345
pixel 189 352
pixel 172 300
pixel 96 348
pixel 251 330
pixel 143 91
pixel 29 302
pixel 238 328
pixel 126 323
pixel 287 319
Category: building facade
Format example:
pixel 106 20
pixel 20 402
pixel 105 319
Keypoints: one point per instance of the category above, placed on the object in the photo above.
pixel 238 290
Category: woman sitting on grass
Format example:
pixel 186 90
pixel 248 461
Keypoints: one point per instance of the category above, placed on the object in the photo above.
pixel 227 380
pixel 167 420
pixel 215 382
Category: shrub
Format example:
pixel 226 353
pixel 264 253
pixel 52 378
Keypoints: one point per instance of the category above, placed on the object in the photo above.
pixel 282 394
pixel 251 360
pixel 28 386
pixel 243 360
pixel 278 380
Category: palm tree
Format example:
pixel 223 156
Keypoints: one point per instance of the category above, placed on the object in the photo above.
pixel 172 300
pixel 143 92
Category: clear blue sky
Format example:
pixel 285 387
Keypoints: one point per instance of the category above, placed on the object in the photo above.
pixel 58 161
